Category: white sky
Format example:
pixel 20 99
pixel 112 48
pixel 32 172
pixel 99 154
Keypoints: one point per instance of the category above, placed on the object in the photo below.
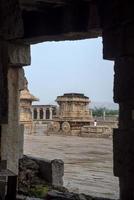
pixel 72 66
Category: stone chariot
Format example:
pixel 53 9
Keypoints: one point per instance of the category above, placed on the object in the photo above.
pixel 72 115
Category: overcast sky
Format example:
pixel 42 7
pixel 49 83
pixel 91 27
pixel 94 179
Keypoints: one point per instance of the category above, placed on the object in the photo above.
pixel 72 66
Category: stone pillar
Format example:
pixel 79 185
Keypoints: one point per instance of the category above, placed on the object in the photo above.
pixel 32 114
pixel 118 45
pixel 13 58
pixel 123 137
pixel 38 114
pixel 51 113
pixel 44 113
pixel 12 132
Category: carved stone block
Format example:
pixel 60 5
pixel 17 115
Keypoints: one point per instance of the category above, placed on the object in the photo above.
pixel 19 54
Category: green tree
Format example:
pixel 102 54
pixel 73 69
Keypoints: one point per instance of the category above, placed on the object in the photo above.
pixel 101 110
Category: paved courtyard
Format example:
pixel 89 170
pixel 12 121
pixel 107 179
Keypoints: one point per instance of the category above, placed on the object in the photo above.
pixel 88 162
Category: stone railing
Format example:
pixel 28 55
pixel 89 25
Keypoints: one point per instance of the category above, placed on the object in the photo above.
pixel 95 131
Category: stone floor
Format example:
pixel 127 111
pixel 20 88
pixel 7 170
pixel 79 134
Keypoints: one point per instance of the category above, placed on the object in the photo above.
pixel 88 162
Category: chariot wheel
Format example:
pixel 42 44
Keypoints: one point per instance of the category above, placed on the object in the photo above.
pixel 56 126
pixel 65 127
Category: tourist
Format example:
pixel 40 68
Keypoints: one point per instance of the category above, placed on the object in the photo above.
pixel 95 122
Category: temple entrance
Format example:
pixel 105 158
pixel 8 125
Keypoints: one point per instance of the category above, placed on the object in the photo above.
pixel 28 22
pixel 79 70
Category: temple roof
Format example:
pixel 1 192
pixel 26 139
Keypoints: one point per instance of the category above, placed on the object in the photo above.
pixel 71 95
pixel 80 95
pixel 26 95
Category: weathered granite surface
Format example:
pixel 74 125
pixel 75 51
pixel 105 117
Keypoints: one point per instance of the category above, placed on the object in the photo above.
pixel 20 197
pixel 35 172
pixel 56 195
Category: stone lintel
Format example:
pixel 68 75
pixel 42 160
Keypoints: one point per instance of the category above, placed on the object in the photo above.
pixel 19 54
pixel 11 22
pixel 118 41
pixel 123 147
pixel 112 44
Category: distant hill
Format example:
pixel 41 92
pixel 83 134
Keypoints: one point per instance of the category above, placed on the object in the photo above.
pixel 109 105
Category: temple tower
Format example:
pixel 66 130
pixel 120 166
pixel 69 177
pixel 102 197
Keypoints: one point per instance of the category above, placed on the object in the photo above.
pixel 26 99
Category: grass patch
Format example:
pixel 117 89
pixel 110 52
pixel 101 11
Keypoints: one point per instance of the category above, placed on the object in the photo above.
pixel 39 191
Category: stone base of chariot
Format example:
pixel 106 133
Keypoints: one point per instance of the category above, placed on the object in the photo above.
pixel 86 131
